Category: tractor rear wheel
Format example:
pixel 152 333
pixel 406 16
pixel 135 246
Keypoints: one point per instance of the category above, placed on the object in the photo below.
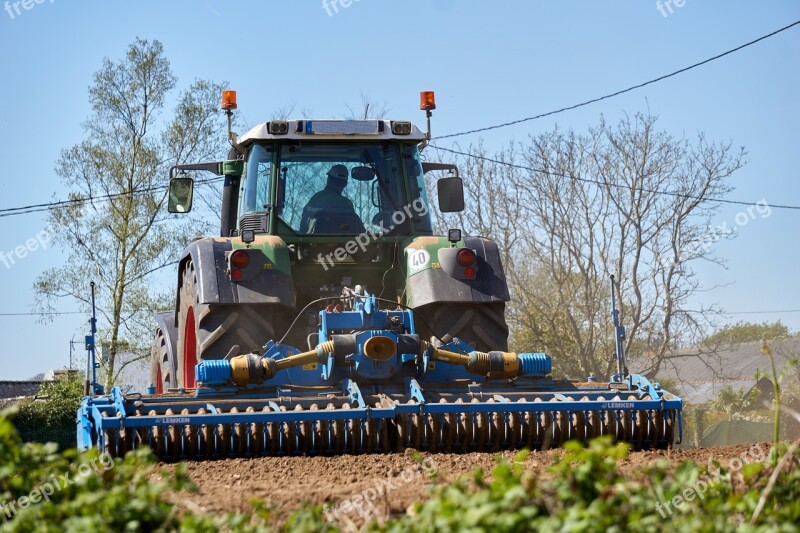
pixel 209 331
pixel 163 367
pixel 482 326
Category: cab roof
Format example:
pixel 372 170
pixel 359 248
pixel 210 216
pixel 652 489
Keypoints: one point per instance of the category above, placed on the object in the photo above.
pixel 348 130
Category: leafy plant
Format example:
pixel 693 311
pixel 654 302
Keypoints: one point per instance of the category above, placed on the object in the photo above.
pixel 52 419
pixel 776 379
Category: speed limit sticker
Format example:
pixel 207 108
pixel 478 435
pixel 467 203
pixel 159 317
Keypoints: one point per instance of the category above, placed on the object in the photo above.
pixel 419 259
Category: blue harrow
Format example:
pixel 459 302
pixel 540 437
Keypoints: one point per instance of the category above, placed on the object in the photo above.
pixel 372 385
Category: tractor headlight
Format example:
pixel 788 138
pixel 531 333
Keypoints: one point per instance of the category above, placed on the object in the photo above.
pixel 278 127
pixel 401 128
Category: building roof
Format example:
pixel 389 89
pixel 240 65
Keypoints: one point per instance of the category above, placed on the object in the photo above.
pixel 15 389
pixel 703 373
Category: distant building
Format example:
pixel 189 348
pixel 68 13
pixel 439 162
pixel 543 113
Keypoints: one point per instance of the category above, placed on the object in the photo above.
pixel 701 375
pixel 16 390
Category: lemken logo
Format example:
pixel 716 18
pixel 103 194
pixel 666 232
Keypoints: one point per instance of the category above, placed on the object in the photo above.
pixel 171 420
pixel 617 405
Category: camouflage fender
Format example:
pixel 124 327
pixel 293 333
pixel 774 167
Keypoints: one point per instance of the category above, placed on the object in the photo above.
pixel 431 277
pixel 272 282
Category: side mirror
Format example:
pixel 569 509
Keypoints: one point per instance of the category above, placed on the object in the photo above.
pixel 451 195
pixel 362 173
pixel 180 195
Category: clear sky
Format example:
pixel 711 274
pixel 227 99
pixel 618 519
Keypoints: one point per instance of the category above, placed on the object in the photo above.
pixel 488 61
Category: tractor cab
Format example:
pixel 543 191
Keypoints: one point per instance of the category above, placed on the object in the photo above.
pixel 315 178
pixel 338 186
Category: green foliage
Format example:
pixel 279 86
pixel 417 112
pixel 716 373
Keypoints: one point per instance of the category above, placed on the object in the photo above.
pixel 747 332
pixel 698 424
pixel 584 490
pixel 84 492
pixel 61 401
pixel 776 379
pixel 53 419
pixel 735 401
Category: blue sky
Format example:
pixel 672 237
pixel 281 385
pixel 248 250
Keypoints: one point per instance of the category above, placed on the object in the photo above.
pixel 489 62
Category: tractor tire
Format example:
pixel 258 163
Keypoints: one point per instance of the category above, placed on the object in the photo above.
pixel 163 366
pixel 482 326
pixel 210 331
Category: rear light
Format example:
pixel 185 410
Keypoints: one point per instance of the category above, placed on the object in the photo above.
pixel 466 257
pixel 240 259
pixel 469 273
pixel 236 274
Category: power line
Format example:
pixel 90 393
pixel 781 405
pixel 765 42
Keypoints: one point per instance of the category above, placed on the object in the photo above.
pixel 759 312
pixel 37 208
pixel 606 184
pixel 47 206
pixel 623 91
pixel 45 314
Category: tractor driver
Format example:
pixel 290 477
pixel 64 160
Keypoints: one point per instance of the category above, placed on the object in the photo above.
pixel 328 211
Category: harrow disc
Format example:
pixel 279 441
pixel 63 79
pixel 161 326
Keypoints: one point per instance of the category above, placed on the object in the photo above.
pixel 185 427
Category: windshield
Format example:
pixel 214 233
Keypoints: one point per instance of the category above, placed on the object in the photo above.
pixel 348 188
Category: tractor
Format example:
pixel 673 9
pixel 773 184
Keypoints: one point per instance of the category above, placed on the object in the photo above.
pixel 328 317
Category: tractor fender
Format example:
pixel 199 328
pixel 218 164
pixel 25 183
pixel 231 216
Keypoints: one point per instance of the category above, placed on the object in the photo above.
pixel 271 282
pixel 431 279
pixel 166 321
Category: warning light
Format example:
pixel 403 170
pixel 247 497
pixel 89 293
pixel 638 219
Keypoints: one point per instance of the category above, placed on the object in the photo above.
pixel 427 101
pixel 228 100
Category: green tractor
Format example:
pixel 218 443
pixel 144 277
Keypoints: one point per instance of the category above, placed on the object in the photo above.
pixel 328 318
pixel 310 207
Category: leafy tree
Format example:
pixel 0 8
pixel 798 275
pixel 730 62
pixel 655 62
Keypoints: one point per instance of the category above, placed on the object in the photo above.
pixel 735 401
pixel 569 210
pixel 747 332
pixel 115 232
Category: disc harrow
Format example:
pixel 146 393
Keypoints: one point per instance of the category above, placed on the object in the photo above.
pixel 178 428
pixel 372 385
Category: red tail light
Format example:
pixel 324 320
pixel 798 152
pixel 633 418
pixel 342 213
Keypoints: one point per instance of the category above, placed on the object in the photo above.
pixel 469 273
pixel 466 257
pixel 236 274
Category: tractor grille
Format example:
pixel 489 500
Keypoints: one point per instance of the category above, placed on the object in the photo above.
pixel 253 221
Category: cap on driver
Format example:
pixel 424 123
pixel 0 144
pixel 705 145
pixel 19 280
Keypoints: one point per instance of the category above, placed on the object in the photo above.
pixel 338 172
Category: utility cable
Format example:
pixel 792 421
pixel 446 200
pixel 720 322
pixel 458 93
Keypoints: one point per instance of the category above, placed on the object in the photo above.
pixel 623 91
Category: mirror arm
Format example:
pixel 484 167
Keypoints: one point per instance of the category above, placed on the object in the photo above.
pixel 215 168
pixel 430 167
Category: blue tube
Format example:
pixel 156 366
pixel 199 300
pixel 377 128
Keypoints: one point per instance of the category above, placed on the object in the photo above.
pixel 535 365
pixel 215 372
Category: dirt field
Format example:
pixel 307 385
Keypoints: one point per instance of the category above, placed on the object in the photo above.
pixel 288 482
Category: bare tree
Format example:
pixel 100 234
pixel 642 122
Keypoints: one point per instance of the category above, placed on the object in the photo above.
pixel 369 109
pixel 570 210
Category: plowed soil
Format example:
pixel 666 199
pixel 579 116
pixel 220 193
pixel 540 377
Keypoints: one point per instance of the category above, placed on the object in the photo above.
pixel 392 482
